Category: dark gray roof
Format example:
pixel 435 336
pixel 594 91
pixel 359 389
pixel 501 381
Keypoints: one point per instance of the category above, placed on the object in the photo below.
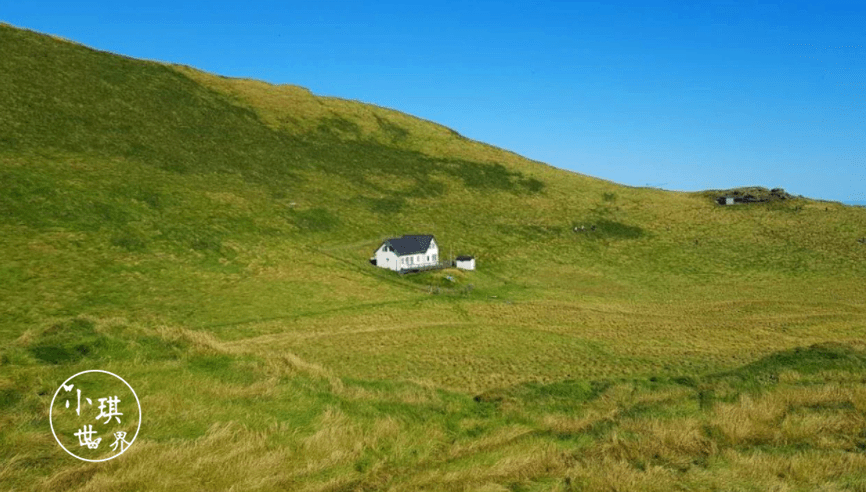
pixel 410 245
pixel 464 258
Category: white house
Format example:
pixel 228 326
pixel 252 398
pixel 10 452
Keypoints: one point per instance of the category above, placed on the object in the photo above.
pixel 408 253
pixel 465 262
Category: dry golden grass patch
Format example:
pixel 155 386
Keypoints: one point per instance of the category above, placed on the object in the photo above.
pixel 788 472
pixel 825 430
pixel 750 420
pixel 498 439
pixel 515 463
pixel 231 457
pixel 677 443
pixel 288 364
pixel 605 409
pixel 201 341
pixel 613 475
pixel 163 409
pixel 341 439
pixel 825 417
pixel 570 425
pixel 227 457
pixel 629 467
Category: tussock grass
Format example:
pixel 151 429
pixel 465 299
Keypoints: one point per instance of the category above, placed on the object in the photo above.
pixel 306 432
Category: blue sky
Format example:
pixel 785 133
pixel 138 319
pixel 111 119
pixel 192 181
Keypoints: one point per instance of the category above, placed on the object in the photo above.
pixel 711 94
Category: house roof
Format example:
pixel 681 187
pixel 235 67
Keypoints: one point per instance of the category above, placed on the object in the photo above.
pixel 464 258
pixel 410 245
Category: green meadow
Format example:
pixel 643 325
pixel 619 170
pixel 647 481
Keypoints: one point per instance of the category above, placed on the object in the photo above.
pixel 208 239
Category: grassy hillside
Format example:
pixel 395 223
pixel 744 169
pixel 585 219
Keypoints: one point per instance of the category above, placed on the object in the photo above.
pixel 207 239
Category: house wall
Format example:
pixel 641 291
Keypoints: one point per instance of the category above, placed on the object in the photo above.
pixel 433 252
pixel 466 264
pixel 419 260
pixel 386 259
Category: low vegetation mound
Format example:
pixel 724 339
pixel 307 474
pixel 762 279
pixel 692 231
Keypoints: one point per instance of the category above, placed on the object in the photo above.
pixel 751 194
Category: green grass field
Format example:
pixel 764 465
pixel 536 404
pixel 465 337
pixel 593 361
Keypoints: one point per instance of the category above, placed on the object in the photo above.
pixel 207 239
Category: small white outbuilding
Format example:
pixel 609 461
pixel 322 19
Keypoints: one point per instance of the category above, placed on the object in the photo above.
pixel 464 262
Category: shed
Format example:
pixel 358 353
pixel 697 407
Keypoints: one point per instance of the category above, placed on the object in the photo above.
pixel 465 262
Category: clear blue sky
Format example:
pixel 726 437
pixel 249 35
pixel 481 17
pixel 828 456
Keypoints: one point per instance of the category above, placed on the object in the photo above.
pixel 714 94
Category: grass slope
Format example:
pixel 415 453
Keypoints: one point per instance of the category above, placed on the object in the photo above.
pixel 207 239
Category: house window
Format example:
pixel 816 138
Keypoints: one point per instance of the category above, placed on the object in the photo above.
pixel 434 256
